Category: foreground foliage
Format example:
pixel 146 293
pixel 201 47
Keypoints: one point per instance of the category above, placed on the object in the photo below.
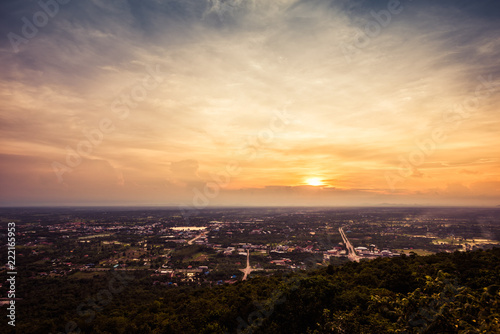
pixel 442 293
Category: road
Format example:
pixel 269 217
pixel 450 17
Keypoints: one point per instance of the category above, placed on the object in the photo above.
pixel 351 253
pixel 117 269
pixel 248 269
pixel 202 234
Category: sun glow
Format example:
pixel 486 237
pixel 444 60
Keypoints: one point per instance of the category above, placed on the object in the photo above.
pixel 314 181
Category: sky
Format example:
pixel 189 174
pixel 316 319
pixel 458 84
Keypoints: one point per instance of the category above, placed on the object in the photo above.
pixel 198 103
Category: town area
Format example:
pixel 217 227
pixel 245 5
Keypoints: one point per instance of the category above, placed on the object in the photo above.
pixel 225 245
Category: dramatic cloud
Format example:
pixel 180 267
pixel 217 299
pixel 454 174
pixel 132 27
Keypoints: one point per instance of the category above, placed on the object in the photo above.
pixel 195 103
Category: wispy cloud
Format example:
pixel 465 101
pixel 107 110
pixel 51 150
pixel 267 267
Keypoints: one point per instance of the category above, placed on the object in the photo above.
pixel 226 67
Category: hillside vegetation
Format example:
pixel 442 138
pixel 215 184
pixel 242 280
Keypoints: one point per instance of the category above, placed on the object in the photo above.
pixel 441 293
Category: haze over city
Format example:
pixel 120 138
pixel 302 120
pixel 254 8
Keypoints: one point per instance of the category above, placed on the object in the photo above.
pixel 213 103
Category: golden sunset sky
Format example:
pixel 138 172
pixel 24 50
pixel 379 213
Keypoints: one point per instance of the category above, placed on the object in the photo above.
pixel 258 102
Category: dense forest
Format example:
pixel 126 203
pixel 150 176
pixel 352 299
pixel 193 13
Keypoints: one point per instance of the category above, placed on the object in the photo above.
pixel 441 293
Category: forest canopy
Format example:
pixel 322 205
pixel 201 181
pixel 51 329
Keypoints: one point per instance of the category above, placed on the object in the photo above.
pixel 441 293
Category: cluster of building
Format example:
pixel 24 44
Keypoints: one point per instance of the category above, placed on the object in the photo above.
pixel 373 251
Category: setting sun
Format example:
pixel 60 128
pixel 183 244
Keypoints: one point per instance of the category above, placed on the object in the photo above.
pixel 314 181
pixel 260 102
